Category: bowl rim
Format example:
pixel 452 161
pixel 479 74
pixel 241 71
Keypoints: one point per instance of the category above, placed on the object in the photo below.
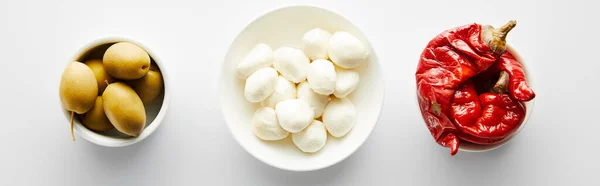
pixel 373 54
pixel 528 109
pixel 108 141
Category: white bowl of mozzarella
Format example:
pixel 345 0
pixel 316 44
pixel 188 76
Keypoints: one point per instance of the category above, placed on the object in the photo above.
pixel 301 88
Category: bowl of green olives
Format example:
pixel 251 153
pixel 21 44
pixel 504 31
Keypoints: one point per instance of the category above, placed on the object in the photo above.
pixel 114 92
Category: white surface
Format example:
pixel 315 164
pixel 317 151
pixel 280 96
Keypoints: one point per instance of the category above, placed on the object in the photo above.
pixel 193 147
pixel 295 115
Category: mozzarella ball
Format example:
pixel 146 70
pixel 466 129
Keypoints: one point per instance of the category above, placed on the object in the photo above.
pixel 315 43
pixel 347 51
pixel 265 125
pixel 293 115
pixel 284 90
pixel 339 117
pixel 321 76
pixel 260 84
pixel 291 63
pixel 259 57
pixel 346 82
pixel 311 139
pixel 316 102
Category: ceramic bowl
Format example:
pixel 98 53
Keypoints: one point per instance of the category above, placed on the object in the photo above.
pixel 155 111
pixel 285 27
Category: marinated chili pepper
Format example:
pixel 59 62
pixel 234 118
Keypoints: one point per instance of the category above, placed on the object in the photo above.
pixel 488 118
pixel 517 84
pixel 451 58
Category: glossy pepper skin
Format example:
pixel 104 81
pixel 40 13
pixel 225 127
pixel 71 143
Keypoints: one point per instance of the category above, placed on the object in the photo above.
pixel 517 82
pixel 451 58
pixel 485 119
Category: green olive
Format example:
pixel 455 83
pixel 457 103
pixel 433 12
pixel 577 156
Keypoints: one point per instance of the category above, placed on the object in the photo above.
pixel 126 61
pixel 78 89
pixel 102 77
pixel 124 108
pixel 149 86
pixel 95 119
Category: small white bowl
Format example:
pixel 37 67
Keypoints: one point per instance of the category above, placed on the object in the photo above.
pixel 285 27
pixel 471 147
pixel 155 112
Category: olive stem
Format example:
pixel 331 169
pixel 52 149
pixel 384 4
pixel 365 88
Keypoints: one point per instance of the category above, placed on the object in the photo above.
pixel 72 133
pixel 106 81
pixel 501 85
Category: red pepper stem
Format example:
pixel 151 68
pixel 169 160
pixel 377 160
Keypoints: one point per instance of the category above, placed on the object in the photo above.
pixel 436 108
pixel 496 38
pixel 501 85
pixel 503 31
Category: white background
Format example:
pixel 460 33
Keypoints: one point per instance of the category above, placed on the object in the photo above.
pixel 559 145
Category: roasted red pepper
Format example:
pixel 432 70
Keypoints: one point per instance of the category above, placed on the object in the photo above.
pixel 488 118
pixel 448 63
pixel 517 82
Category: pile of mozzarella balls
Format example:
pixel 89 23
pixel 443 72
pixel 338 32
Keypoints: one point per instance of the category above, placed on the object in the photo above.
pixel 303 91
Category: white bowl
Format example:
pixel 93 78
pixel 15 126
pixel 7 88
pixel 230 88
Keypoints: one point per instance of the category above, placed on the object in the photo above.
pixel 471 147
pixel 155 112
pixel 285 27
